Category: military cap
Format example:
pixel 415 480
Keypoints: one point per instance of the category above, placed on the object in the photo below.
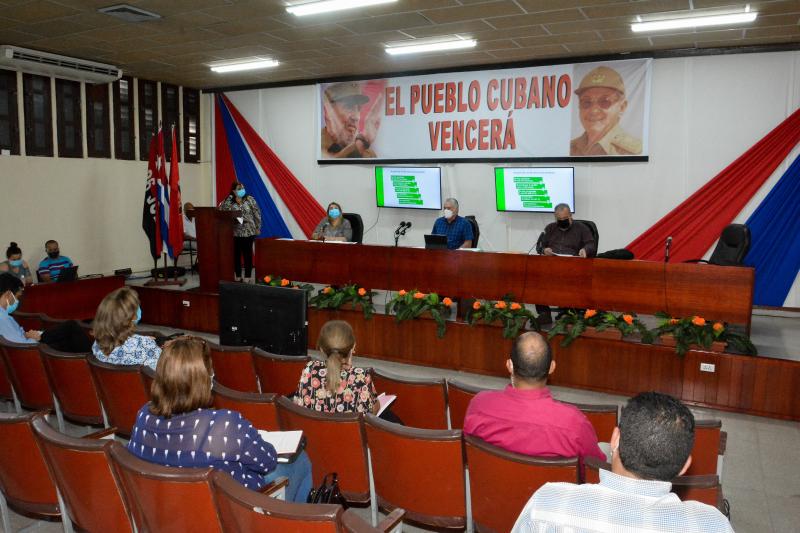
pixel 349 91
pixel 601 77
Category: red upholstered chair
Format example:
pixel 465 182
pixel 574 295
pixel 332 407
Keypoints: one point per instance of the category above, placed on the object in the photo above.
pixel 25 483
pixel 278 373
pixel 334 443
pixel 709 448
pixel 233 367
pixel 604 418
pixel 458 397
pixel 29 320
pixel 121 392
pixel 82 471
pixel 420 403
pixel 71 382
pixel 48 321
pixel 6 392
pixel 163 498
pixel 241 509
pixel 258 408
pixel 26 374
pixel 419 470
pixel 148 376
pixel 87 327
pixel 502 482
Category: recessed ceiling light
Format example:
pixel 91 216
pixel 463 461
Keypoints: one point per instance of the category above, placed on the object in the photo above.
pixel 431 47
pixel 244 65
pixel 694 22
pixel 325 6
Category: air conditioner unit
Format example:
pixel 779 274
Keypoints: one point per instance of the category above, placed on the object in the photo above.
pixel 35 62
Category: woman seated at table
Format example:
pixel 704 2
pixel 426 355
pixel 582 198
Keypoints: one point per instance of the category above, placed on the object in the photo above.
pixel 335 385
pixel 178 427
pixel 114 325
pixel 333 227
pixel 16 265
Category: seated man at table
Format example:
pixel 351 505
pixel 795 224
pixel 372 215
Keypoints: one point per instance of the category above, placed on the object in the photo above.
pixel 524 418
pixel 51 266
pixel 458 229
pixel 651 446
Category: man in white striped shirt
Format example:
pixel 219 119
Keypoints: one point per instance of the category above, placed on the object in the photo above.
pixel 651 446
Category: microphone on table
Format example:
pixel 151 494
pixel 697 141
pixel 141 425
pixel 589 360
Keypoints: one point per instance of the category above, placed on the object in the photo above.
pixel 408 225
pixel 322 231
pixel 666 249
pixel 541 236
pixel 399 228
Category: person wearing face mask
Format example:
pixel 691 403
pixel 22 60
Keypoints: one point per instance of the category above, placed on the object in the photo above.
pixel 15 265
pixel 51 266
pixel 114 329
pixel 333 227
pixel 457 229
pixel 246 231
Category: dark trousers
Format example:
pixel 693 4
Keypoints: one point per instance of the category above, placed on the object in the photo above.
pixel 67 336
pixel 243 250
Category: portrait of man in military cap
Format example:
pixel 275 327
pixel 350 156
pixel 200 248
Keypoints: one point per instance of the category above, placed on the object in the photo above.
pixel 601 104
pixel 341 109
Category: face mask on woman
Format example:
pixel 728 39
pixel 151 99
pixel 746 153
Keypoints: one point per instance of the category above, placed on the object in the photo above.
pixel 334 212
pixel 15 262
pixel 240 193
pixel 138 315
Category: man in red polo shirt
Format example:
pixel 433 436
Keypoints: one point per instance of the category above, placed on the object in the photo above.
pixel 524 418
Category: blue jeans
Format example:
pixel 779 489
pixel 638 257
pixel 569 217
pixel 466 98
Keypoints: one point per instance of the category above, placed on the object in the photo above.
pixel 299 474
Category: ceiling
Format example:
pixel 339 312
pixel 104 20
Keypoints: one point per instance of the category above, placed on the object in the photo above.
pixel 192 33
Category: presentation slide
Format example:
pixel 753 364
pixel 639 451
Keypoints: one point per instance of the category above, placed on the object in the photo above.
pixel 411 187
pixel 536 190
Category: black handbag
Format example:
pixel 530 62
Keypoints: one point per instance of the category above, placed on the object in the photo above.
pixel 327 492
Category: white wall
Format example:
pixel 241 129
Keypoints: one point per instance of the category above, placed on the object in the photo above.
pixel 706 111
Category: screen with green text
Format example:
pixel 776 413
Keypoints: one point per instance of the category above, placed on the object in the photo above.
pixel 538 190
pixel 411 187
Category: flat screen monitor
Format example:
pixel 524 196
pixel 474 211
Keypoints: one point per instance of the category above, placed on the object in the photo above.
pixel 271 318
pixel 537 190
pixel 409 187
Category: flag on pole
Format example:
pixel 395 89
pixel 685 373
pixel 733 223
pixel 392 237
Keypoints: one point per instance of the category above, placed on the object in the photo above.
pixel 150 207
pixel 162 185
pixel 175 209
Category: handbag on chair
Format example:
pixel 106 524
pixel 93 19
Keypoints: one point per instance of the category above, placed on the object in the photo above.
pixel 327 492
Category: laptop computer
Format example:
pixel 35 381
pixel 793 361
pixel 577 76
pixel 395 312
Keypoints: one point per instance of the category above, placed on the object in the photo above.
pixel 68 274
pixel 436 242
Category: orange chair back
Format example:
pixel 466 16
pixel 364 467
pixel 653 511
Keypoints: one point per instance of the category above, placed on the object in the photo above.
pixel 233 367
pixel 71 382
pixel 83 474
pixel 6 393
pixel 706 450
pixel 502 482
pixel 166 499
pixel 603 417
pixel 26 374
pixel 29 320
pixel 121 393
pixel 241 509
pixel 258 408
pixel 278 373
pixel 24 479
pixel 458 397
pixel 420 403
pixel 334 443
pixel 419 470
pixel 705 489
pixel 48 321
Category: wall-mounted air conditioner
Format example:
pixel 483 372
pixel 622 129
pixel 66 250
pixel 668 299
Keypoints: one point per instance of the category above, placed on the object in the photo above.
pixel 47 64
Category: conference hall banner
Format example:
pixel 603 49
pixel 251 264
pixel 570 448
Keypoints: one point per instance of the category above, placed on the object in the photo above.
pixel 558 112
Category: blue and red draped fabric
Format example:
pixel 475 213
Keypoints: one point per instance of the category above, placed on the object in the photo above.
pixel 242 155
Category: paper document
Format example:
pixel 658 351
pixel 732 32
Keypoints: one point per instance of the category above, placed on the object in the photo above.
pixel 385 400
pixel 285 442
pixel 240 219
pixel 564 255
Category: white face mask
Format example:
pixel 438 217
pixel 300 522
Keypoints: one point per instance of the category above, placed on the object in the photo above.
pixel 448 213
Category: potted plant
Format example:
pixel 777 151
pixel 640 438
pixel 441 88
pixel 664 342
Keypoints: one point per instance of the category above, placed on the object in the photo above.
pixel 697 333
pixel 407 305
pixel 278 281
pixel 589 323
pixel 511 314
pixel 628 324
pixel 332 297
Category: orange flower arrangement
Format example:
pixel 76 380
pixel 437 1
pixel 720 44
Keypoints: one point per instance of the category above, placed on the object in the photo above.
pixel 628 319
pixel 515 306
pixel 673 321
pixel 447 301
pixel 419 295
pixel 500 305
pixel 267 279
pixel 401 293
pixel 512 315
pixel 718 326
pixel 362 291
pixel 589 313
pixel 408 305
pixel 327 290
pixel 699 321
pixel 476 305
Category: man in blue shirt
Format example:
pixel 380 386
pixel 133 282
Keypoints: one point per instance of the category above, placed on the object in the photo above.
pixel 458 229
pixel 51 266
pixel 11 289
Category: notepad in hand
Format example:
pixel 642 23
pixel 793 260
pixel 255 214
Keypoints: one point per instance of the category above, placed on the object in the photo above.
pixel 284 442
pixel 385 400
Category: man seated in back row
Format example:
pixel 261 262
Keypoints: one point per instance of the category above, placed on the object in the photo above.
pixel 651 446
pixel 51 266
pixel 524 418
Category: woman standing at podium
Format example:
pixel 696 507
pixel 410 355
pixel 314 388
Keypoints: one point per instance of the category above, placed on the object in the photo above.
pixel 245 231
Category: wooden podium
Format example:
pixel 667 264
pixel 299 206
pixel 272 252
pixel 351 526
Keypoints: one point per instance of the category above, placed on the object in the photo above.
pixel 214 245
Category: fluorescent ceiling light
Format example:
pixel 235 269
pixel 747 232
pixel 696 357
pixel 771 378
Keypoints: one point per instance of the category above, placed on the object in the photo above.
pixel 694 22
pixel 245 65
pixel 312 8
pixel 431 47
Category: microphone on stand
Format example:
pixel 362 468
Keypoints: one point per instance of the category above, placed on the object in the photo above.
pixel 408 225
pixel 666 249
pixel 322 231
pixel 398 230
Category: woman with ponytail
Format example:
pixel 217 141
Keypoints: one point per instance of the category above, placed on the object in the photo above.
pixel 335 385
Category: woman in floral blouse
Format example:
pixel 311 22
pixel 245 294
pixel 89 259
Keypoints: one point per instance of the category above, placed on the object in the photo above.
pixel 114 325
pixel 245 232
pixel 334 385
